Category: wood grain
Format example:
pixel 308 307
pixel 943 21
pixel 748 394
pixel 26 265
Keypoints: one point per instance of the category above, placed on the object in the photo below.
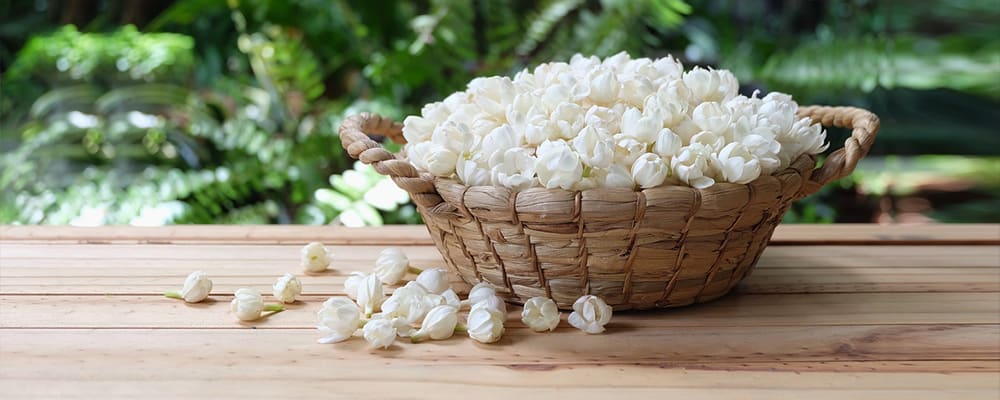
pixel 403 235
pixel 832 312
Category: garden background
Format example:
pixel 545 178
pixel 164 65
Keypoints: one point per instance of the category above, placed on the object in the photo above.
pixel 152 112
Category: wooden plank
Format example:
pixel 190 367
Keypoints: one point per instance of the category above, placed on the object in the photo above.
pixel 59 351
pixel 504 383
pixel 416 235
pixel 65 312
pixel 152 269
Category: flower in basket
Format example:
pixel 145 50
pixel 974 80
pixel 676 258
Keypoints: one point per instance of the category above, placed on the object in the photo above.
pixel 616 122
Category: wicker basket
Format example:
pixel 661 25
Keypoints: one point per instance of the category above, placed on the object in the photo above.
pixel 666 246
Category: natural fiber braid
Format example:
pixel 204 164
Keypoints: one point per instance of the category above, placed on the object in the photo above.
pixel 354 133
pixel 842 162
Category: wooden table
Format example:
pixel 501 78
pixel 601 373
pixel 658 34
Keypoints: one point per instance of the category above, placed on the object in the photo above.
pixel 832 312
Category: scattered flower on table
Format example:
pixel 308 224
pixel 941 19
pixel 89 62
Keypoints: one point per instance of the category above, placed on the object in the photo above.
pixel 493 302
pixel 435 280
pixel 352 282
pixel 617 122
pixel 248 305
pixel 337 320
pixel 485 324
pixel 370 294
pixel 451 298
pixel 391 265
pixel 409 305
pixel 540 314
pixel 590 314
pixel 380 333
pixel 196 288
pixel 439 324
pixel 287 288
pixel 315 257
pixel 479 292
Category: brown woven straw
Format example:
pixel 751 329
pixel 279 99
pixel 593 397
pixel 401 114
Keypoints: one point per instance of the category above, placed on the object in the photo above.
pixel 666 246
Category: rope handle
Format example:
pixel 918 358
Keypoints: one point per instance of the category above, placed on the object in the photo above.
pixel 354 137
pixel 864 127
pixel 355 131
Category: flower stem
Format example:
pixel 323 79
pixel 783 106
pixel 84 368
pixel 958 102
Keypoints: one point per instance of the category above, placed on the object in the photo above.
pixel 461 328
pixel 414 270
pixel 173 295
pixel 418 337
pixel 274 307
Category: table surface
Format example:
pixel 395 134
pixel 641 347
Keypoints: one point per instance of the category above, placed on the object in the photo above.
pixel 831 312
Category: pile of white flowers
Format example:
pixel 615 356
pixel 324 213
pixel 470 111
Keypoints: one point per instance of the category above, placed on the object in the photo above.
pixel 426 308
pixel 617 122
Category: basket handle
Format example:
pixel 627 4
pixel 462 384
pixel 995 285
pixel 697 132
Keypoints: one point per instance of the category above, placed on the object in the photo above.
pixel 354 137
pixel 840 163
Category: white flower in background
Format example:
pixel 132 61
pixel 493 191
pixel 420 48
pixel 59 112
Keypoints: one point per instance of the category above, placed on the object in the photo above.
pixel 735 164
pixel 649 171
pixel 803 138
pixel 315 257
pixel 380 333
pixel 690 165
pixel 496 143
pixel 590 314
pixel 247 304
pixel 337 320
pixel 595 146
pixel 492 94
pixel 540 314
pixel 485 324
pixel 370 294
pixel 558 165
pixel 391 265
pixel 287 288
pixel 385 195
pixel 435 280
pixel 196 288
pixel 439 324
pixel 352 282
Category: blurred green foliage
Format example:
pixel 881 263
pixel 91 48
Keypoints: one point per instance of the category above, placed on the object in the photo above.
pixel 226 112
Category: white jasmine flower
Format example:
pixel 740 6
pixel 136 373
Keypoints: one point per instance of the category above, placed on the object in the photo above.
pixel 735 164
pixel 451 298
pixel 667 144
pixel 481 291
pixel 540 314
pixel 391 265
pixel 690 165
pixel 248 304
pixel 485 324
pixel 435 280
pixel 337 320
pixel 590 314
pixel 604 86
pixel 287 288
pixel 515 170
pixel 472 173
pixel 558 165
pixel 712 117
pixel 315 257
pixel 494 302
pixel 196 288
pixel 370 295
pixel 595 147
pixel 439 324
pixel 432 158
pixel 380 333
pixel 649 171
pixel 618 176
pixel 409 304
pixel 352 282
pixel 627 150
pixel 641 128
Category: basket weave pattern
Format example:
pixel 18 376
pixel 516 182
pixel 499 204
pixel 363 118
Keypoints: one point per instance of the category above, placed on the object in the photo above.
pixel 660 247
